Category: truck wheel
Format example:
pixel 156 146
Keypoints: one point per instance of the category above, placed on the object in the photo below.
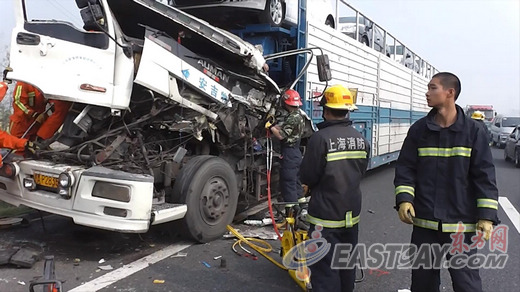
pixel 208 186
pixel 329 21
pixel 83 3
pixel 517 158
pixel 273 12
pixel 364 40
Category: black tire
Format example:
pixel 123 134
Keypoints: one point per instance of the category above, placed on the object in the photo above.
pixel 517 158
pixel 329 21
pixel 208 186
pixel 84 3
pixel 274 12
pixel 364 40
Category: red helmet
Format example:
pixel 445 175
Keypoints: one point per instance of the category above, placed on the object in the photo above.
pixel 3 90
pixel 292 97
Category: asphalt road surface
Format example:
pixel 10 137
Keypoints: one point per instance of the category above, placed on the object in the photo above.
pixel 94 260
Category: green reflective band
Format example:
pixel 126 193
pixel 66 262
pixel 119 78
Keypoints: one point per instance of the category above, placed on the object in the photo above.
pixel 17 100
pixel 445 152
pixel 428 224
pixel 445 227
pixel 346 155
pixel 456 227
pixel 487 203
pixel 405 189
pixel 347 223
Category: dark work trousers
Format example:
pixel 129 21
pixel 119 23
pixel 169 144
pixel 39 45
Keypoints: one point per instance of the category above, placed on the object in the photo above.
pixel 290 186
pixel 428 280
pixel 325 279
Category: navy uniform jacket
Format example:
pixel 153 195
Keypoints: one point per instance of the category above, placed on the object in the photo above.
pixel 447 173
pixel 334 163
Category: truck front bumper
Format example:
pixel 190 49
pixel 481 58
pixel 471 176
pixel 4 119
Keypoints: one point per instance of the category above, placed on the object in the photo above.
pixel 97 197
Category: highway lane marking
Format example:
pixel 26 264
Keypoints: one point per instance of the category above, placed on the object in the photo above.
pixel 511 212
pixel 131 268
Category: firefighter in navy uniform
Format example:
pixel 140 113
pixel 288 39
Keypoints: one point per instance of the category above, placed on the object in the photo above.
pixel 289 133
pixel 334 163
pixel 445 175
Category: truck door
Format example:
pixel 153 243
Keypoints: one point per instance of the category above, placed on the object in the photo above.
pixel 60 47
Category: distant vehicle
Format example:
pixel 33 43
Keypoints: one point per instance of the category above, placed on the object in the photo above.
pixel 488 111
pixel 512 148
pixel 273 12
pixel 403 56
pixel 501 128
pixel 347 25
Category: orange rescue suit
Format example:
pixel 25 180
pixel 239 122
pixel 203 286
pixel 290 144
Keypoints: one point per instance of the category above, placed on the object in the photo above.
pixel 28 103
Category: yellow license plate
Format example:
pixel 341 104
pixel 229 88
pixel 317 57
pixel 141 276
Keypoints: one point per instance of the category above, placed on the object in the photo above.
pixel 46 181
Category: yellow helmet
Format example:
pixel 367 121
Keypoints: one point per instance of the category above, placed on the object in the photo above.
pixel 339 97
pixel 478 115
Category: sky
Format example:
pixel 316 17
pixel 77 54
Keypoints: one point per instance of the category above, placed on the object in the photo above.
pixel 478 40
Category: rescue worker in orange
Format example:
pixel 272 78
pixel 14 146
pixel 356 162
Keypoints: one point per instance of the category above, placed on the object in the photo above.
pixel 29 106
pixel 10 141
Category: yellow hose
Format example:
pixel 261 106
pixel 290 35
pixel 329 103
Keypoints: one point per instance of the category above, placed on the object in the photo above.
pixel 261 250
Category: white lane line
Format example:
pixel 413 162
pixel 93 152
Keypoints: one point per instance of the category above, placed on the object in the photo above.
pixel 511 212
pixel 129 269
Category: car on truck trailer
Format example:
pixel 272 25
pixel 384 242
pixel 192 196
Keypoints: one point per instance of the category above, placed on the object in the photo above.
pixel 168 113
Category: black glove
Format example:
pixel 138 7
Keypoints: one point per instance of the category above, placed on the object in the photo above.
pixel 31 148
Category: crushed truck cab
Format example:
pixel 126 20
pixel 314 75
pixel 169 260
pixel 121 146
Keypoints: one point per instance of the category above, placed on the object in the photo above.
pixel 166 113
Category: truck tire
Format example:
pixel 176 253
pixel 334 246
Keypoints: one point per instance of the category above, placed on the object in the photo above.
pixel 273 12
pixel 208 186
pixel 364 40
pixel 84 3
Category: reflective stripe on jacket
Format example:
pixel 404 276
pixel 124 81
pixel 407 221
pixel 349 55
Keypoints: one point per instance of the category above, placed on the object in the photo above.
pixel 28 101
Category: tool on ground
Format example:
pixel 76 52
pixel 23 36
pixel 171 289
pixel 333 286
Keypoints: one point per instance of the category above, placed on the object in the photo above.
pixel 49 281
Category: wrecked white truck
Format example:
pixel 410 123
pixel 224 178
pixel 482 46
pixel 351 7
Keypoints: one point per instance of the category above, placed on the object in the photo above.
pixel 167 120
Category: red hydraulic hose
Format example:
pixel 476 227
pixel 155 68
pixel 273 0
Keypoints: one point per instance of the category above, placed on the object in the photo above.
pixel 269 164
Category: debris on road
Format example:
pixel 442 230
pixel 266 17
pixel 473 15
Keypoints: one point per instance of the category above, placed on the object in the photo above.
pixel 21 283
pixel 217 257
pixel 158 281
pixel 25 257
pixel 206 264
pixel 371 211
pixel 263 222
pixel 13 221
pixel 76 261
pixel 23 254
pixel 179 255
pixel 106 268
pixel 265 233
pixel 101 261
pixel 6 254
